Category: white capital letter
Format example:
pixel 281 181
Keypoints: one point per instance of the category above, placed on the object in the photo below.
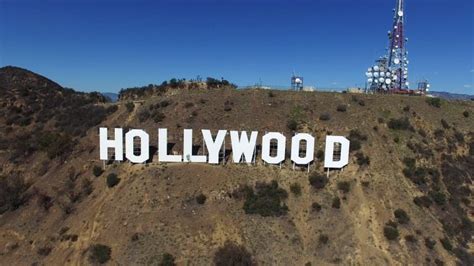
pixel 281 146
pixel 163 148
pixel 144 146
pixel 105 144
pixel 188 149
pixel 213 146
pixel 243 146
pixel 295 148
pixel 329 152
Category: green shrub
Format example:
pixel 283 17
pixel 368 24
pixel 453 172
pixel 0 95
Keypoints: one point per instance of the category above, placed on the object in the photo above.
pixel 436 102
pixel 341 108
pixel 438 197
pixel 430 243
pixel 411 238
pixel 323 238
pixel 143 115
pixel 97 170
pixel 295 188
pixel 325 117
pixel 201 199
pixel 336 203
pixel 402 216
pixel 390 232
pixel 316 206
pixel 362 159
pixel 167 260
pixel 344 186
pixel 292 124
pixel 112 180
pixel 445 124
pixel 158 116
pixel 465 114
pixel 99 253
pixel 12 192
pixel 423 201
pixel 267 201
pixel 233 254
pixel 130 106
pixel 317 180
pixel 400 124
pixel 446 244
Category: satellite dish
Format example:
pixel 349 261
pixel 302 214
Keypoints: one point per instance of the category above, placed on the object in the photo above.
pixel 370 69
pixel 382 74
pixel 376 81
pixel 382 80
pixel 400 13
pixel 388 74
pixel 370 80
pixel 388 81
pixel 428 85
pixel 394 77
pixel 396 61
pixel 298 80
pixel 407 83
pixel 376 74
pixel 376 68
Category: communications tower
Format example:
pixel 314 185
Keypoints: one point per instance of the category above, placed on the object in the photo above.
pixel 390 73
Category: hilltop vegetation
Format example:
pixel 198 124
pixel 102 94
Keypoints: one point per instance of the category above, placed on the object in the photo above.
pixel 404 198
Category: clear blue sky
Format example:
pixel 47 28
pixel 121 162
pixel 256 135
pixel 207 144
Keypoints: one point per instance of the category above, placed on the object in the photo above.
pixel 107 45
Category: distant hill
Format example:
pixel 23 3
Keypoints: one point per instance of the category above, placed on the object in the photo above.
pixel 451 96
pixel 405 198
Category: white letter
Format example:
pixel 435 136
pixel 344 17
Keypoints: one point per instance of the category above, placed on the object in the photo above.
pixel 243 145
pixel 144 146
pixel 281 146
pixel 295 148
pixel 213 146
pixel 329 152
pixel 105 144
pixel 163 148
pixel 188 148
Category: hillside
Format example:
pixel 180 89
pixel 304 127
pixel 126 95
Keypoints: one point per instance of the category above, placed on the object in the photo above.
pixel 404 199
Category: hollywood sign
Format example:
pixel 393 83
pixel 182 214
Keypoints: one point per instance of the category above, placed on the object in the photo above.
pixel 243 147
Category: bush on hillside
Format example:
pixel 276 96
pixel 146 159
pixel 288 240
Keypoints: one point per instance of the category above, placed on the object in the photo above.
pixel 201 198
pixel 400 124
pixel 323 238
pixel 12 192
pixel 325 117
pixel 233 254
pixel 167 260
pixel 446 244
pixel 112 180
pixel 295 188
pixel 267 200
pixel 336 203
pixel 341 108
pixel 430 243
pixel 316 206
pixel 317 180
pixel 465 114
pixel 390 232
pixel 143 115
pixel 99 253
pixel 97 170
pixel 423 201
pixel 130 106
pixel 344 186
pixel 436 102
pixel 402 216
